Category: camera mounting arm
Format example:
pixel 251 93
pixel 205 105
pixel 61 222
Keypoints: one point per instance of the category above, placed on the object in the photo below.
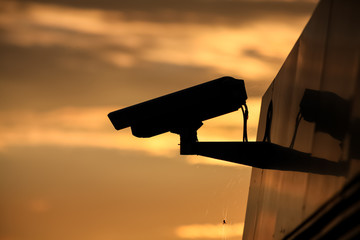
pixel 188 137
pixel 264 155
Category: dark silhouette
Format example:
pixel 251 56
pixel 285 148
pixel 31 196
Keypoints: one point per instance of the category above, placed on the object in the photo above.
pixel 355 139
pixel 267 135
pixel 267 155
pixel 182 113
pixel 328 111
pixel 331 114
pixel 183 109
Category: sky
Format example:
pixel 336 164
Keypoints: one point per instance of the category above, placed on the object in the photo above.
pixel 66 173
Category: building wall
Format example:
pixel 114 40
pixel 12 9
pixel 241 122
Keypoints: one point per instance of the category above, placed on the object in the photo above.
pixel 325 58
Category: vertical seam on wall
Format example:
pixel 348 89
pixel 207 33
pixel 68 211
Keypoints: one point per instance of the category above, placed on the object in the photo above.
pixel 261 188
pixel 321 83
pixel 259 205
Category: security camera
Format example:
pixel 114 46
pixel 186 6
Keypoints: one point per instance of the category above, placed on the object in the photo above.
pixel 182 113
pixel 185 109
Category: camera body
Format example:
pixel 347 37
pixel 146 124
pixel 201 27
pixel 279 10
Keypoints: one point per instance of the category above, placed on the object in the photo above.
pixel 183 109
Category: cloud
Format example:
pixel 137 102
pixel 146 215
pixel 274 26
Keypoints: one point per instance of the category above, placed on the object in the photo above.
pixel 210 231
pixel 42 78
pixel 100 57
pixel 59 59
pixel 76 127
pixel 257 55
pixel 206 12
pixel 220 47
pixel 70 34
pixel 90 127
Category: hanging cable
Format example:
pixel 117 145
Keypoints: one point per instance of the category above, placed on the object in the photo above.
pixel 298 119
pixel 246 116
pixel 269 114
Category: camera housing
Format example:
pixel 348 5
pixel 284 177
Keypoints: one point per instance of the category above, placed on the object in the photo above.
pixel 185 109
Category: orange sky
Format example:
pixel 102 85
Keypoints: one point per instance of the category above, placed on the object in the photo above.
pixel 65 173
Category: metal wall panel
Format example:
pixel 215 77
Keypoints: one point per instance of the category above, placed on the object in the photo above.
pixel 325 58
pixel 256 190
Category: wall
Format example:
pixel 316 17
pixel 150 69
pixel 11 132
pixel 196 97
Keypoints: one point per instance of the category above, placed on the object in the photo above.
pixel 325 58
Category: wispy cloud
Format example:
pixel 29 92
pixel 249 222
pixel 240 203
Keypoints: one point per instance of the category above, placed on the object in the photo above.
pixel 122 43
pixel 75 127
pixel 90 127
pixel 221 47
pixel 210 231
pixel 211 12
